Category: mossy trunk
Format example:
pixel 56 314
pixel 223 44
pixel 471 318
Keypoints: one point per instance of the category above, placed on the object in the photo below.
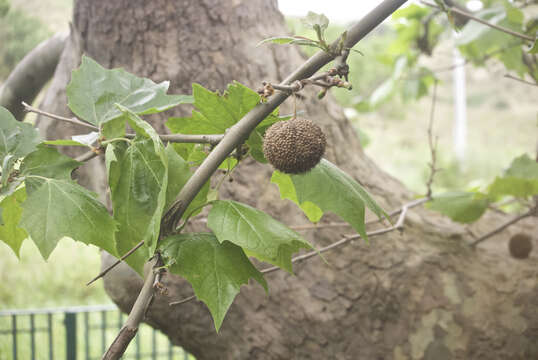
pixel 420 294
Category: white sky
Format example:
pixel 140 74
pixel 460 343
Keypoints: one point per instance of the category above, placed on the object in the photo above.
pixel 336 10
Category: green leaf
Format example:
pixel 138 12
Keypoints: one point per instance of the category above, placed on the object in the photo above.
pixel 215 270
pixel 287 191
pixel 138 178
pixel 46 163
pixel 113 129
pixel 219 112
pixel 523 167
pixel 520 179
pixel 463 207
pixel 11 209
pixel 216 112
pixel 256 232
pixel 178 174
pixel 94 91
pixel 61 208
pixel 16 138
pixel 142 128
pixel 333 190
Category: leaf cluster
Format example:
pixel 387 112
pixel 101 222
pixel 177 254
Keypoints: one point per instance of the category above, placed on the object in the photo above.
pixel 41 201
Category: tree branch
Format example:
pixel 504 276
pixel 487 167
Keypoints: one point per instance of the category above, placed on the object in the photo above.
pixel 432 145
pixel 31 74
pixel 501 228
pixel 212 139
pixel 242 129
pixel 130 328
pixel 481 21
pixel 72 120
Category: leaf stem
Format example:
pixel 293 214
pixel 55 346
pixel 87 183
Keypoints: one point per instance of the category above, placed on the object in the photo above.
pixel 106 142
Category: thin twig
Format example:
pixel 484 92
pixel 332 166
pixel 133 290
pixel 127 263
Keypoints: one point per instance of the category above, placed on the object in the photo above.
pixel 72 120
pixel 347 238
pixel 212 139
pixel 432 144
pixel 484 22
pixel 501 228
pixel 520 80
pixel 110 267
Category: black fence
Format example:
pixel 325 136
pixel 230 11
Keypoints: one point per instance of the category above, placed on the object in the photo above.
pixel 77 333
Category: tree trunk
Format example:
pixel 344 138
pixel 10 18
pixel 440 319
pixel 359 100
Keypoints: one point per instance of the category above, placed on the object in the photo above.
pixel 421 294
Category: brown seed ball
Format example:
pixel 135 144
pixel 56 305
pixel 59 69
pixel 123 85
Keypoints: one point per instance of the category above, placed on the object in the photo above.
pixel 520 246
pixel 294 146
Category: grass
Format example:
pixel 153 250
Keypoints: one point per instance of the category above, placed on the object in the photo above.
pixel 31 282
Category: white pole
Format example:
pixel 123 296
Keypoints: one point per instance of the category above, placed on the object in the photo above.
pixel 460 108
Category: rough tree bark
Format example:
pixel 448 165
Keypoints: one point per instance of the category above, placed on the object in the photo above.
pixel 423 294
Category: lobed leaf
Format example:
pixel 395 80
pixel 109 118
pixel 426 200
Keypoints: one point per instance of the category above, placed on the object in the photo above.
pixel 216 113
pixel 94 91
pixel 215 270
pixel 59 208
pixel 256 232
pixel 138 178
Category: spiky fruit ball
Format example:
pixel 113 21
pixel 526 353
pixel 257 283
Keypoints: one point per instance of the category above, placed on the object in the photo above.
pixel 520 246
pixel 294 146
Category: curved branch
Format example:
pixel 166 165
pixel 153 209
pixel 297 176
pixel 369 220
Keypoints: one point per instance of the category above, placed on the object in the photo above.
pixel 31 74
pixel 501 228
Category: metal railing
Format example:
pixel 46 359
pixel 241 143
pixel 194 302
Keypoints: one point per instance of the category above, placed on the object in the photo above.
pixel 76 333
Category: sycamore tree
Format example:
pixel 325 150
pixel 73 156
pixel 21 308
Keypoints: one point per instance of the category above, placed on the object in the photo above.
pixel 200 192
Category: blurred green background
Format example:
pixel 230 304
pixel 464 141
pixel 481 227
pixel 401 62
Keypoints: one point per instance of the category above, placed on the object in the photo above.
pixel 502 123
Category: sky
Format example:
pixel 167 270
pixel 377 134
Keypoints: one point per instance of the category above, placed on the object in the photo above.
pixel 336 10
